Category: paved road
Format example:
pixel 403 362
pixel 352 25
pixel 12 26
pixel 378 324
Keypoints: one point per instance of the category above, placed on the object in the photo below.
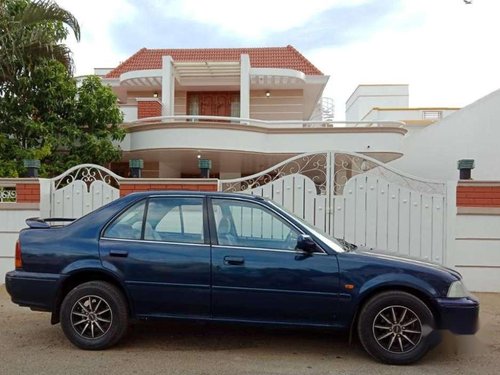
pixel 30 345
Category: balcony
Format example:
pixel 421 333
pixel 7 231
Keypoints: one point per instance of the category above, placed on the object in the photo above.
pixel 168 137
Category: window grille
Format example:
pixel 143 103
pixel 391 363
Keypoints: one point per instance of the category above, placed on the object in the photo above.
pixel 432 115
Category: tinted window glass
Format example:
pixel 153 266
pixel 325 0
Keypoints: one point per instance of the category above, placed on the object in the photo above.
pixel 174 220
pixel 249 224
pixel 129 224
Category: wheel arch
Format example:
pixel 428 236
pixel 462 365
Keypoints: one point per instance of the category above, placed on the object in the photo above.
pixel 81 276
pixel 369 294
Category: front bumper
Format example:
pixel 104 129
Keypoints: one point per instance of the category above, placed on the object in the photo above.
pixel 459 315
pixel 34 290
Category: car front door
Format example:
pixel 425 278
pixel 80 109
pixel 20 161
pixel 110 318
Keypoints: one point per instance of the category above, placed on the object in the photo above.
pixel 160 248
pixel 257 275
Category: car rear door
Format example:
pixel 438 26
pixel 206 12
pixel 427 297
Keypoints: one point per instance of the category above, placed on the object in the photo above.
pixel 160 249
pixel 258 276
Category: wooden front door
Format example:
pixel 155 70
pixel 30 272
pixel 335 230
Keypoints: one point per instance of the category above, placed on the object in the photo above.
pixel 215 104
pixel 210 103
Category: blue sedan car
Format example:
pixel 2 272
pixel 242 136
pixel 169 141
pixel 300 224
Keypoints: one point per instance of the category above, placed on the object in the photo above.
pixel 229 258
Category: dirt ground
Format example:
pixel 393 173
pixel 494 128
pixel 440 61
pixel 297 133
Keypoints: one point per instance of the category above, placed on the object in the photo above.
pixel 30 345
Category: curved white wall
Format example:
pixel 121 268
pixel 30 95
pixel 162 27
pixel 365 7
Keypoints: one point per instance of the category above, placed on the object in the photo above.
pixel 471 133
pixel 240 139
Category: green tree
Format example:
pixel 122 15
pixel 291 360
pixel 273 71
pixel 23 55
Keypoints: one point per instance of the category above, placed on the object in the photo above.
pixel 91 131
pixel 33 31
pixel 44 115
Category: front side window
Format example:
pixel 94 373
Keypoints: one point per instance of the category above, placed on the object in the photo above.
pixel 247 224
pixel 174 219
pixel 129 224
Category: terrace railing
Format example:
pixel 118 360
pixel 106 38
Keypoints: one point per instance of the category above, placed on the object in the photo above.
pixel 271 124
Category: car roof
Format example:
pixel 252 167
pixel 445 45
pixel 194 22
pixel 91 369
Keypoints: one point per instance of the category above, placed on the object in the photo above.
pixel 215 194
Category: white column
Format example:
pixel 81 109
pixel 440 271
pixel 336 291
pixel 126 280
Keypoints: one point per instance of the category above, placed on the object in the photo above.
pixel 45 197
pixel 167 86
pixel 245 86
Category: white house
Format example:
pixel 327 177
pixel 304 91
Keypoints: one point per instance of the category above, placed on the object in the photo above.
pixel 245 109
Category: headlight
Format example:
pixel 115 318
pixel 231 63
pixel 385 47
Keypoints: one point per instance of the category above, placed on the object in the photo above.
pixel 457 290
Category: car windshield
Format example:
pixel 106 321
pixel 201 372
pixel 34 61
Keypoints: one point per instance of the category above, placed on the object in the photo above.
pixel 336 244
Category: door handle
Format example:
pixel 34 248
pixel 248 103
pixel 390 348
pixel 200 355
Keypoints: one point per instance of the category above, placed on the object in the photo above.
pixel 234 261
pixel 118 253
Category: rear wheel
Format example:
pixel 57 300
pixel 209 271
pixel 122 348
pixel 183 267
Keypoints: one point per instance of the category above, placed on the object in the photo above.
pixel 396 328
pixel 94 315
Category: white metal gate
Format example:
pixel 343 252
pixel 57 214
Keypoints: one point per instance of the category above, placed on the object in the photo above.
pixel 81 190
pixel 359 199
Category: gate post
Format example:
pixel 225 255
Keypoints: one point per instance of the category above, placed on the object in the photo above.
pixel 450 223
pixel 330 193
pixel 45 197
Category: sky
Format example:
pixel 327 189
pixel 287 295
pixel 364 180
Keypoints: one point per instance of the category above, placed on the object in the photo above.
pixel 446 50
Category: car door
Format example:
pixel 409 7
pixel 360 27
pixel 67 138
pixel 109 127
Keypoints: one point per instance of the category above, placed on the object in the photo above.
pixel 258 275
pixel 160 249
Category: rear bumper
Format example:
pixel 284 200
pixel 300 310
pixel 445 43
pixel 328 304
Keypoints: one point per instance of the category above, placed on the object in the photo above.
pixel 34 290
pixel 459 315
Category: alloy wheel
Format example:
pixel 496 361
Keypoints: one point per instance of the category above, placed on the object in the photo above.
pixel 91 317
pixel 397 329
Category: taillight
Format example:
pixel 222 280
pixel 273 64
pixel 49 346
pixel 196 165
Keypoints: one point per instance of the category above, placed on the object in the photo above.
pixel 19 260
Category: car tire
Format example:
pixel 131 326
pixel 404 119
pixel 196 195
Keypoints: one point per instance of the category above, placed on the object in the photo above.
pixel 94 315
pixel 396 328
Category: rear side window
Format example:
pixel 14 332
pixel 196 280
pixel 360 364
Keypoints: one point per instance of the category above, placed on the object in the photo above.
pixel 129 224
pixel 175 219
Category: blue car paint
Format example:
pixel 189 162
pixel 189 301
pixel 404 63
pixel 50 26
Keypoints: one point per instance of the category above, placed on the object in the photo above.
pixel 274 287
pixel 162 278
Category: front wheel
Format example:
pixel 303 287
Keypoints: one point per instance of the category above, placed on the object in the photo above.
pixel 94 315
pixel 396 328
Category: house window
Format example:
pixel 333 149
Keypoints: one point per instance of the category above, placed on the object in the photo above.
pixel 235 105
pixel 432 115
pixel 221 103
pixel 193 105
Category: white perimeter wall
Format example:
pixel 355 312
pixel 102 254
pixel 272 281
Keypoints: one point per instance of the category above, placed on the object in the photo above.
pixel 11 222
pixel 471 133
pixel 476 254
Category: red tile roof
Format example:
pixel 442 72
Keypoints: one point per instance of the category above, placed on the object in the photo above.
pixel 266 57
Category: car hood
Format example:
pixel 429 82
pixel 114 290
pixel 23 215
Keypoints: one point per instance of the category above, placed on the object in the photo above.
pixel 401 261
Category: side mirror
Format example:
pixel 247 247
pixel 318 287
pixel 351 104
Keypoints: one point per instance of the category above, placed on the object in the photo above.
pixel 306 243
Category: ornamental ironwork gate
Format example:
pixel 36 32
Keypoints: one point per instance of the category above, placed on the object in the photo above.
pixel 359 199
pixel 81 190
